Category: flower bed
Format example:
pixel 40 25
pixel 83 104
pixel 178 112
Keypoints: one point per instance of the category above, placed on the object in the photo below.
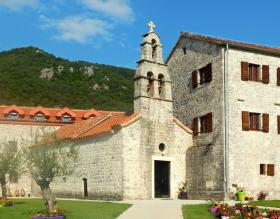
pixel 57 213
pixel 7 203
pixel 224 211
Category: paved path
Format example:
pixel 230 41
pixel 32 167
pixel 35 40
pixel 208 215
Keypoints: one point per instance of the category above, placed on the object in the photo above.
pixel 156 209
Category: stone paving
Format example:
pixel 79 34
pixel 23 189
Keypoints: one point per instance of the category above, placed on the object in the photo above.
pixel 156 209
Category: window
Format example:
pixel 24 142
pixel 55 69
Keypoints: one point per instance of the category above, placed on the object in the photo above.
pixel 13 115
pixel 161 86
pixel 40 117
pixel 66 118
pixel 202 76
pixel 150 86
pixel 262 169
pixel 254 72
pixel 254 123
pixel 270 169
pixel 267 169
pixel 202 124
pixel 184 50
pixel 154 48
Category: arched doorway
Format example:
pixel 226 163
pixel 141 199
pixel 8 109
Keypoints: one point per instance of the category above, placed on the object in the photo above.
pixel 85 187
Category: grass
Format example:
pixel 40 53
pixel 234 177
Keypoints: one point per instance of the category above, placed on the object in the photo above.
pixel 200 211
pixel 74 209
pixel 266 203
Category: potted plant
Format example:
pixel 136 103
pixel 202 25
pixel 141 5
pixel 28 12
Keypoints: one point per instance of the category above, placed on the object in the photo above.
pixel 183 191
pixel 240 193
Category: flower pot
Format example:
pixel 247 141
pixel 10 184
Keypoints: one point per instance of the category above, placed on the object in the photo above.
pixel 53 217
pixel 240 196
pixel 225 217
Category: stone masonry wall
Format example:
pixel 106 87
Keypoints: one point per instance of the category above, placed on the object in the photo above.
pixel 101 163
pixel 20 133
pixel 204 164
pixel 249 149
pixel 138 162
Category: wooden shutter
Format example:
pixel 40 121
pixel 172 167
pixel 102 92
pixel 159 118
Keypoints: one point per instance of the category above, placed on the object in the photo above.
pixel 209 124
pixel 245 121
pixel 195 126
pixel 265 74
pixel 270 169
pixel 278 76
pixel 278 124
pixel 194 79
pixel 244 71
pixel 265 123
pixel 209 73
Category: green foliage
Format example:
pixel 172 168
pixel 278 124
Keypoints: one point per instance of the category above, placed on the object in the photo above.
pixel 10 161
pixel 200 211
pixel 21 83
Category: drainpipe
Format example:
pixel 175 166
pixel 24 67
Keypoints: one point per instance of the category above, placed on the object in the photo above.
pixel 225 116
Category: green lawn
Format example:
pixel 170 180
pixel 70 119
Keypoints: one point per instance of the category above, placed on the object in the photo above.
pixel 196 212
pixel 74 209
pixel 266 203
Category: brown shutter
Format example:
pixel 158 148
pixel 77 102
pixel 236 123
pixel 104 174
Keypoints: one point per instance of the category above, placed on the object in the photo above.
pixel 244 71
pixel 209 73
pixel 265 123
pixel 270 169
pixel 278 124
pixel 194 79
pixel 245 121
pixel 278 76
pixel 265 74
pixel 195 126
pixel 209 125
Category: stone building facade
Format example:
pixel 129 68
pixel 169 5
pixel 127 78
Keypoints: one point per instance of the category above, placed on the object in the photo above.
pixel 232 87
pixel 140 155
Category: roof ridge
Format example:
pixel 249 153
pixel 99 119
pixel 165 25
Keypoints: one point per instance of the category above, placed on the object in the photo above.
pixel 92 126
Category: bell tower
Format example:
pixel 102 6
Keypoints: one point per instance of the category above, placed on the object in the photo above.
pixel 152 85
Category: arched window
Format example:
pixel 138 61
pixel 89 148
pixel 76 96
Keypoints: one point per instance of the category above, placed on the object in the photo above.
pixel 161 86
pixel 154 48
pixel 14 115
pixel 150 86
pixel 66 118
pixel 40 117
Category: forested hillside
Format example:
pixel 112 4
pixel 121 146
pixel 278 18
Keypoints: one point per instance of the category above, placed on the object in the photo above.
pixel 30 77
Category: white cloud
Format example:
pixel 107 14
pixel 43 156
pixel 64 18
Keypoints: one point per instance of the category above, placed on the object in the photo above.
pixel 18 4
pixel 119 9
pixel 78 28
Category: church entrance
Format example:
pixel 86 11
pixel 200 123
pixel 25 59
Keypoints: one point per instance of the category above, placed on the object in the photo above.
pixel 162 179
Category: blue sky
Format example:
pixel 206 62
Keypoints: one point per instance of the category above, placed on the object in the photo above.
pixel 109 31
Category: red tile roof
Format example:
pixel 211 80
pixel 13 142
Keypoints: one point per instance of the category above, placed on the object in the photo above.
pixel 100 125
pixel 231 43
pixel 53 115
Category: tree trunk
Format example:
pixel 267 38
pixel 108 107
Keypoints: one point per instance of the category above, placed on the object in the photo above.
pixel 49 200
pixel 4 191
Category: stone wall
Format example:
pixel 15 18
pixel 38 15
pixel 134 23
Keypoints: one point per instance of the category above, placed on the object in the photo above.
pixel 21 134
pixel 204 164
pixel 139 159
pixel 249 149
pixel 101 163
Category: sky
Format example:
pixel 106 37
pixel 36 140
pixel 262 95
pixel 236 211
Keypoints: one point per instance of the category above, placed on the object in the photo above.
pixel 110 31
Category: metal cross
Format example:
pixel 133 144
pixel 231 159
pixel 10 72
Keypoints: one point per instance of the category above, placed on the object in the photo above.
pixel 152 26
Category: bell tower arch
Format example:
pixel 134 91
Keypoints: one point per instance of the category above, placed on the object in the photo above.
pixel 152 95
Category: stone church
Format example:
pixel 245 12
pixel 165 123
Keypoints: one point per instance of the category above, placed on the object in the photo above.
pixel 226 91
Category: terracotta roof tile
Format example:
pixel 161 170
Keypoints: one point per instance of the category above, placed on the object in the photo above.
pixel 96 126
pixel 52 114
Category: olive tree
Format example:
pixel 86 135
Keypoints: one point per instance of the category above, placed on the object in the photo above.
pixel 10 163
pixel 47 157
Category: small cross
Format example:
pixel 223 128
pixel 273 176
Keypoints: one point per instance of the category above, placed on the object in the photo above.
pixel 152 26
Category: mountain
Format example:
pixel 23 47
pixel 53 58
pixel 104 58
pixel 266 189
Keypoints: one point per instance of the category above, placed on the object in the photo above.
pixel 31 77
